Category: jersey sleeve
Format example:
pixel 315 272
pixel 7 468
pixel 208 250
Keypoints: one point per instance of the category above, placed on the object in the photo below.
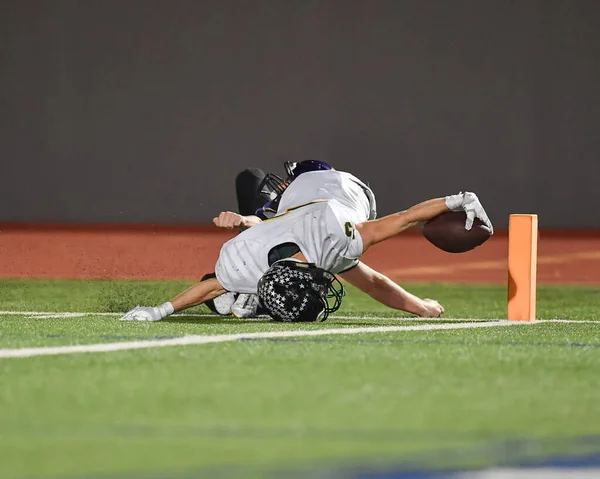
pixel 239 267
pixel 346 238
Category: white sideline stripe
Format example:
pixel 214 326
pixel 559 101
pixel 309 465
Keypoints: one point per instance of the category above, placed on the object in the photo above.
pixel 197 339
pixel 597 321
pixel 57 314
pixel 531 473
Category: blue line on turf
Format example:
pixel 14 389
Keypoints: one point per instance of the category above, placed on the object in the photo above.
pixel 564 454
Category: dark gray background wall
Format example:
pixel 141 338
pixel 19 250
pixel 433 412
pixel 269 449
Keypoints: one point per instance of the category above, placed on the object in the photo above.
pixel 143 111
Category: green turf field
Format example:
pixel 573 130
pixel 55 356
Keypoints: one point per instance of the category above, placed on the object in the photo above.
pixel 291 406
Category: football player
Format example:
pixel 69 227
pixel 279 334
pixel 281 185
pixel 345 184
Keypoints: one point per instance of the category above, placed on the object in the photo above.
pixel 290 260
pixel 258 196
pixel 345 187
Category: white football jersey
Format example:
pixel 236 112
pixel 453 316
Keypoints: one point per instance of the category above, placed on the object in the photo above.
pixel 347 189
pixel 324 230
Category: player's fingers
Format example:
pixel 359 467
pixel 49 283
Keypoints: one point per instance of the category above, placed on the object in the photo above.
pixel 221 220
pixel 235 220
pixel 470 219
pixel 487 224
pixel 229 221
pixel 486 221
pixel 441 309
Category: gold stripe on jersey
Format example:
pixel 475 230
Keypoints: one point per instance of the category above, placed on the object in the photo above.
pixel 294 208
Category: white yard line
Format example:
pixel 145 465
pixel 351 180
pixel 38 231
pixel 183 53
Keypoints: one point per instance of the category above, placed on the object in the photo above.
pixel 530 473
pixel 57 315
pixel 466 323
pixel 197 339
pixel 597 321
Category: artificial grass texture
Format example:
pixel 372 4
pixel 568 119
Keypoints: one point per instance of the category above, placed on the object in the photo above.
pixel 460 300
pixel 247 408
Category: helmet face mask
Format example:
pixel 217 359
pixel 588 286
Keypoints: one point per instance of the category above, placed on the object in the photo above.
pixel 273 186
pixel 293 291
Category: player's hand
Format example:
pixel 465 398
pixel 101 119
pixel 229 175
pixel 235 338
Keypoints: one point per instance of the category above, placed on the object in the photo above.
pixel 431 309
pixel 229 220
pixel 470 204
pixel 142 313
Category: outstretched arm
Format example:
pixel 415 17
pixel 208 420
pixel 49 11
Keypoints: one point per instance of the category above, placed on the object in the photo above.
pixel 384 290
pixel 197 294
pixel 373 232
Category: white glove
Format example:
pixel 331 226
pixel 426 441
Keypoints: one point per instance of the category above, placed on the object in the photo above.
pixel 469 203
pixel 144 313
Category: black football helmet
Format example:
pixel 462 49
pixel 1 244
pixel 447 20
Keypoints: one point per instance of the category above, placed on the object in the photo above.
pixel 293 291
pixel 294 170
pixel 272 186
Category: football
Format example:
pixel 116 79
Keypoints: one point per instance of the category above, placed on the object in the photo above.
pixel 447 232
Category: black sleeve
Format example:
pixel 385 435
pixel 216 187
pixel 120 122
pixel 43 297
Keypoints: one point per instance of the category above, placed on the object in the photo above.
pixel 247 183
